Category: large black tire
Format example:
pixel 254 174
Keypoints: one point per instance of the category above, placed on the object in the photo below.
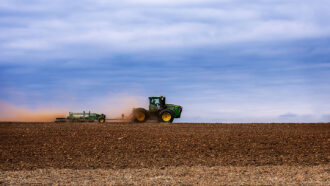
pixel 166 116
pixel 140 115
pixel 101 120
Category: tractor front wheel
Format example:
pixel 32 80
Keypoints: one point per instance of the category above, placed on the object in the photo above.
pixel 166 116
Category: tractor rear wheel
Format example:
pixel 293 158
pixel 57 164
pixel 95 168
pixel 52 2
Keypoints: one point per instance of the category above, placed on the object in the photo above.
pixel 166 116
pixel 101 120
pixel 140 115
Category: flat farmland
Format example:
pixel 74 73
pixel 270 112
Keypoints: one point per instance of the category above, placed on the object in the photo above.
pixel 156 153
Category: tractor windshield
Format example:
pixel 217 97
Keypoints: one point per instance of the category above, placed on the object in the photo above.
pixel 154 104
pixel 156 101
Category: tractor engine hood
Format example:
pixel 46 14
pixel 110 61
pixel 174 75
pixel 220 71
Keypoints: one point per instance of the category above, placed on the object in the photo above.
pixel 171 105
pixel 176 109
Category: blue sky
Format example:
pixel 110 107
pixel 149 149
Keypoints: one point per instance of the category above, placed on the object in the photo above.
pixel 223 61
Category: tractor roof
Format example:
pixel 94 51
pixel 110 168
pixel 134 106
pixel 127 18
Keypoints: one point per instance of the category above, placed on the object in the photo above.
pixel 153 97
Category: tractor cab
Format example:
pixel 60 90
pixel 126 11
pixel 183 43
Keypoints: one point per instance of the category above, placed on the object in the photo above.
pixel 157 103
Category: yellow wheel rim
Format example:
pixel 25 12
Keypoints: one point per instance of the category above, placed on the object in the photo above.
pixel 166 116
pixel 140 116
pixel 101 120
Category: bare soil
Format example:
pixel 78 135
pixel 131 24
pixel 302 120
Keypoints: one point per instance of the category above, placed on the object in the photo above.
pixel 300 150
pixel 183 175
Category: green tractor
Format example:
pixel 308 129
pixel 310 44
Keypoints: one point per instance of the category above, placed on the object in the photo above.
pixel 159 110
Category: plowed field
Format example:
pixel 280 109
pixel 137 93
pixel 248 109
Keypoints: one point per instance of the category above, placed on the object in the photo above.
pixel 153 146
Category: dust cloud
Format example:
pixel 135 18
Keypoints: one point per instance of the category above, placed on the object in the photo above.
pixel 112 105
pixel 11 112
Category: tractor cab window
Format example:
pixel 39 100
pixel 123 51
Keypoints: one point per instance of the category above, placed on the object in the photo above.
pixel 154 104
pixel 156 101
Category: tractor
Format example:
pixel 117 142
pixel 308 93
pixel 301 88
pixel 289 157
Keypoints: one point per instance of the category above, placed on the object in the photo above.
pixel 159 110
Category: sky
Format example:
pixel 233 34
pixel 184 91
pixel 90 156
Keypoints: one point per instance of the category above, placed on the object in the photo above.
pixel 221 60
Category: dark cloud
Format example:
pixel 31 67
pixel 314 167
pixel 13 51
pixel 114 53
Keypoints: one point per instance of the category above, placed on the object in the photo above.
pixel 94 29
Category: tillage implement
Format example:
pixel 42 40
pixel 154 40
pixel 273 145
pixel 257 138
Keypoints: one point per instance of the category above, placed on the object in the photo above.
pixel 83 117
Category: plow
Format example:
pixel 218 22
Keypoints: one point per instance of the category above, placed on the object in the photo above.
pixel 158 111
